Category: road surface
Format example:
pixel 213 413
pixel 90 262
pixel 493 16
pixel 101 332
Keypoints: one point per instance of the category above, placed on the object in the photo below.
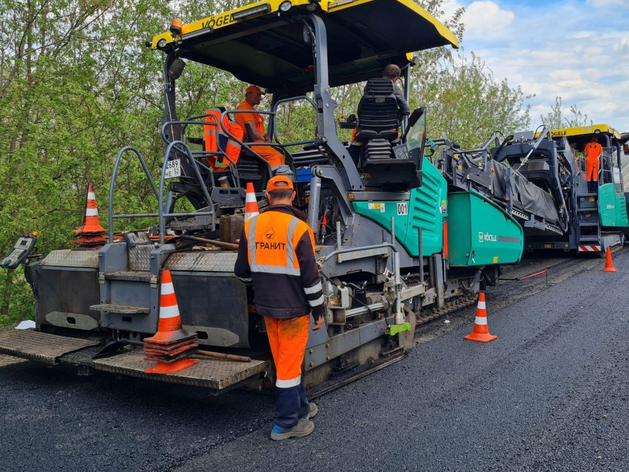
pixel 551 393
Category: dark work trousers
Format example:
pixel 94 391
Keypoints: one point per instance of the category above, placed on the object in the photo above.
pixel 291 405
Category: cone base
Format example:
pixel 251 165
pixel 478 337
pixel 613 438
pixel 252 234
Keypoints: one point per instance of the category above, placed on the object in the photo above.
pixel 610 269
pixel 169 337
pixel 480 337
pixel 90 229
pixel 181 364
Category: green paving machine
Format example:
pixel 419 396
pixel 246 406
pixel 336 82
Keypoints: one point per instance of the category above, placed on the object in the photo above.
pixel 396 243
pixel 539 179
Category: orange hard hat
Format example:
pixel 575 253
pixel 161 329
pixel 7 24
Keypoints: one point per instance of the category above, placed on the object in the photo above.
pixel 253 88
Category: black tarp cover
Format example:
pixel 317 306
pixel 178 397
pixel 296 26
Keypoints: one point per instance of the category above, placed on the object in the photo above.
pixel 524 194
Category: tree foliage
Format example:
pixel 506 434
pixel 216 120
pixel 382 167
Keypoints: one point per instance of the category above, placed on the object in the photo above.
pixel 556 120
pixel 77 84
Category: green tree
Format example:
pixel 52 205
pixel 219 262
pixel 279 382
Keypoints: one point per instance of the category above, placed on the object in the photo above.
pixel 467 105
pixel 556 120
pixel 76 85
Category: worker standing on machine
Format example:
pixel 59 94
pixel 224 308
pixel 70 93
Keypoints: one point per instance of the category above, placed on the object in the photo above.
pixel 276 254
pixel 592 151
pixel 253 96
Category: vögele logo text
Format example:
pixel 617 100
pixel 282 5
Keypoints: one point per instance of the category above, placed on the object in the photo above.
pixel 486 237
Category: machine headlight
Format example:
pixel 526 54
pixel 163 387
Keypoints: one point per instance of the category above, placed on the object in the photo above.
pixel 285 6
pixel 161 44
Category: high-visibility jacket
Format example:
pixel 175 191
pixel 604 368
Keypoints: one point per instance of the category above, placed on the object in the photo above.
pixel 268 153
pixel 276 253
pixel 592 152
pixel 213 135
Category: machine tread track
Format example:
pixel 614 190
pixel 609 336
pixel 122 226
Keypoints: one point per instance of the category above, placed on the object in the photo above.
pixel 431 314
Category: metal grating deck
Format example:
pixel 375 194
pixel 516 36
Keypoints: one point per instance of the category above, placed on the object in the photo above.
pixel 38 346
pixel 210 261
pixel 216 374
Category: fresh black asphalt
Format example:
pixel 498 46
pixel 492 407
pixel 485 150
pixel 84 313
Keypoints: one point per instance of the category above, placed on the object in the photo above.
pixel 550 394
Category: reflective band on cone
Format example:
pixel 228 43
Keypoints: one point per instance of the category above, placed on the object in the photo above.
pixel 169 329
pixel 171 344
pixel 481 330
pixel 91 223
pixel 91 232
pixel 251 204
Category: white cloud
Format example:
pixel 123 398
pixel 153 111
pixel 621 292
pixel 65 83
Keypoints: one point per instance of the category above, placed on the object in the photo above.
pixel 449 8
pixel 608 3
pixel 622 47
pixel 546 50
pixel 486 20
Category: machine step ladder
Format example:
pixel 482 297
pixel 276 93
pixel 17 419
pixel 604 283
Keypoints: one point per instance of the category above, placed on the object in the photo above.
pixel 588 228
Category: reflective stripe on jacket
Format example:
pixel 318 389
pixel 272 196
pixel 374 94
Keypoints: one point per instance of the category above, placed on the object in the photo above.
pixel 277 252
pixel 213 135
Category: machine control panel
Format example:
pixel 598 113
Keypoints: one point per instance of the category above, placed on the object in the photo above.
pixel 20 252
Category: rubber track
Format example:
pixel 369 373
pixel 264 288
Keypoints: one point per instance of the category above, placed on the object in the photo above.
pixel 431 314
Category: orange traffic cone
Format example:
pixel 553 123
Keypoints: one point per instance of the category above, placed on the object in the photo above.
pixel 481 331
pixel 91 232
pixel 609 264
pixel 171 344
pixel 251 204
pixel 91 223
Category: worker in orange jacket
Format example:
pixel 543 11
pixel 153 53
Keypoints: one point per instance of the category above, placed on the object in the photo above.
pixel 253 96
pixel 276 254
pixel 216 140
pixel 592 151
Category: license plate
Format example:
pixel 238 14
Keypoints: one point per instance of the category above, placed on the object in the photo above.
pixel 173 169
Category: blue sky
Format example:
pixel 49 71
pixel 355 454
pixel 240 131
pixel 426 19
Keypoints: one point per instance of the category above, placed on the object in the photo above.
pixel 577 49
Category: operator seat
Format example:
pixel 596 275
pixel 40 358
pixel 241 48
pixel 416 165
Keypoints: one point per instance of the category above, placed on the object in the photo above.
pixel 251 167
pixel 378 120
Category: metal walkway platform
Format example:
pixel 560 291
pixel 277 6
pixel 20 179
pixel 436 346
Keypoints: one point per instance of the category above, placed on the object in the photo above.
pixel 40 347
pixel 215 374
pixel 218 375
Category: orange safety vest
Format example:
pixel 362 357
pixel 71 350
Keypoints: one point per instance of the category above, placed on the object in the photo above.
pixel 211 133
pixel 272 238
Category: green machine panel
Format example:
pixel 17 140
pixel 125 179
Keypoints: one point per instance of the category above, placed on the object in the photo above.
pixel 425 209
pixel 481 233
pixel 612 207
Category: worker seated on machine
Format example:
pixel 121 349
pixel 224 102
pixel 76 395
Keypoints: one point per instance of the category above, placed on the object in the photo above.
pixel 222 150
pixel 380 112
pixel 255 123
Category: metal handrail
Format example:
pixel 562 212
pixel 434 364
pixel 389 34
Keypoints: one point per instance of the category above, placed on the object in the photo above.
pixel 247 146
pixel 221 152
pixel 291 99
pixel 113 180
pixel 187 154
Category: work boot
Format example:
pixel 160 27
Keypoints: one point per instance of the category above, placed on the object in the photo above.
pixel 302 428
pixel 312 411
